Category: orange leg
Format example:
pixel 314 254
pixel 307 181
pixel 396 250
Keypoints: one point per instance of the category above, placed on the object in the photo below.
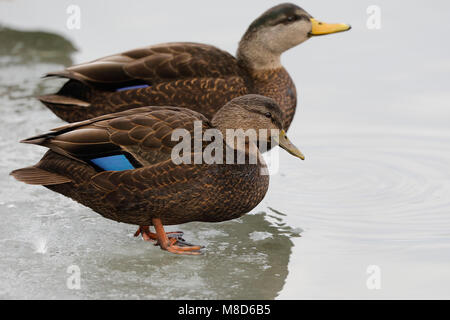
pixel 170 244
pixel 150 236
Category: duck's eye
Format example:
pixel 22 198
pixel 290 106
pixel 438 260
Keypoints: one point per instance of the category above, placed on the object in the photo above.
pixel 268 115
pixel 291 18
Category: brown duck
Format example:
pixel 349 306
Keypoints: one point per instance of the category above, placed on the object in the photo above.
pixel 121 166
pixel 192 75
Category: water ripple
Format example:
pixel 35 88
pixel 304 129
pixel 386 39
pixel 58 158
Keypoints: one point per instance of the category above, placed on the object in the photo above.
pixel 394 185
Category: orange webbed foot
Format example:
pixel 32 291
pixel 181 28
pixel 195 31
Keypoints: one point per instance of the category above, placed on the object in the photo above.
pixel 173 244
pixel 181 247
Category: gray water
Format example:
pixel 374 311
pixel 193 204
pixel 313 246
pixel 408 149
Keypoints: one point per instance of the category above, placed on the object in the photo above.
pixel 373 122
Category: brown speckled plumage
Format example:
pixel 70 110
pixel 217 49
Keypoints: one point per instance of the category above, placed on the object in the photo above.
pixel 277 83
pixel 196 76
pixel 174 193
pixel 157 188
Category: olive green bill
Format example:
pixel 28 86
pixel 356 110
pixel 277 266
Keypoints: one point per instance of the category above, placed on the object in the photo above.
pixel 321 28
pixel 287 145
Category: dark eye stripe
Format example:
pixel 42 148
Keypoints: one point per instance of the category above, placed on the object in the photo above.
pixel 274 120
pixel 293 18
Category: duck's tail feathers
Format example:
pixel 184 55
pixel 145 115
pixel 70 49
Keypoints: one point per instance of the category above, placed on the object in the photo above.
pixel 56 100
pixel 37 176
pixel 70 102
pixel 39 139
pixel 74 93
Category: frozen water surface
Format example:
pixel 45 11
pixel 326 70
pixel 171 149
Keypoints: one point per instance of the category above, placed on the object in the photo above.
pixel 373 122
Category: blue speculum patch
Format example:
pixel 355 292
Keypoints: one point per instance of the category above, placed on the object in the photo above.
pixel 133 87
pixel 113 163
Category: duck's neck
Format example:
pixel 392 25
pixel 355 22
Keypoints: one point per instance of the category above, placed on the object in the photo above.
pixel 254 56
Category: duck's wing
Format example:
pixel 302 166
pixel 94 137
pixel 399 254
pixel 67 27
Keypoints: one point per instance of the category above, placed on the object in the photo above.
pixel 124 140
pixel 196 76
pixel 154 64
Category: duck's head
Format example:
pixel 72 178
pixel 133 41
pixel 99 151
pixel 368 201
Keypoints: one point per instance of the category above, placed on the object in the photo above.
pixel 277 30
pixel 258 115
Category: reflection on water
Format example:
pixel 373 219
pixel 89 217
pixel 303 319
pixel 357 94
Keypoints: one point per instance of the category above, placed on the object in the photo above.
pixel 115 265
pixel 234 265
pixel 42 234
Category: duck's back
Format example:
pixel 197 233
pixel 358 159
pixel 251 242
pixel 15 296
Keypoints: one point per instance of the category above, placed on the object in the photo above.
pixel 197 76
pixel 192 75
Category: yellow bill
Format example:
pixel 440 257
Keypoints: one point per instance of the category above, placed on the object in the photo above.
pixel 322 28
pixel 287 145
